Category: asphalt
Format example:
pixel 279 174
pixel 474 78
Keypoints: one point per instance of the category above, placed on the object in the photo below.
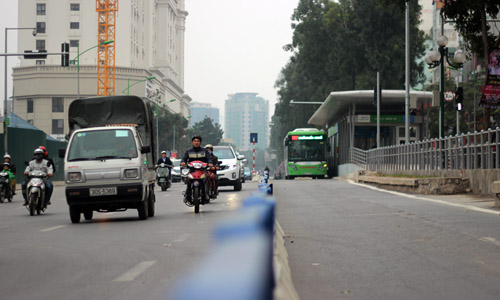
pixel 351 241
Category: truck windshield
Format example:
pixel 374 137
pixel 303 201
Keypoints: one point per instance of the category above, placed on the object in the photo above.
pixel 103 144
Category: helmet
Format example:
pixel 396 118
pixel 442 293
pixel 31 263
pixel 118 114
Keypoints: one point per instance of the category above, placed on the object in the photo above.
pixel 164 152
pixel 209 146
pixel 45 152
pixel 6 164
pixel 39 151
pixel 196 137
pixel 7 156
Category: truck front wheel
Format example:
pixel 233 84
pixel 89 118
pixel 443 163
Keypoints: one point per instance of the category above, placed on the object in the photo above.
pixel 74 214
pixel 143 210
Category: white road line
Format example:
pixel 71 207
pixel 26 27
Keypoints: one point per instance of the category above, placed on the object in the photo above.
pixel 131 274
pixel 182 238
pixel 490 240
pixel 52 228
pixel 463 206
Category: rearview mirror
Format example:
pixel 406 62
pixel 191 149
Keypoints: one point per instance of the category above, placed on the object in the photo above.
pixel 62 153
pixel 145 149
pixel 241 157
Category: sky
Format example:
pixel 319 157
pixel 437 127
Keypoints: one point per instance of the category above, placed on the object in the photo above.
pixel 236 46
pixel 231 46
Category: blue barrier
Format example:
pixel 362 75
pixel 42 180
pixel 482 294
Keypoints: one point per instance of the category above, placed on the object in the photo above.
pixel 240 267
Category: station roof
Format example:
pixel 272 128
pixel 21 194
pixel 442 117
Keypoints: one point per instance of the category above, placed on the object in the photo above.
pixel 338 102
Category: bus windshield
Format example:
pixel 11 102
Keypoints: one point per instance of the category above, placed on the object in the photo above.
pixel 306 150
pixel 103 144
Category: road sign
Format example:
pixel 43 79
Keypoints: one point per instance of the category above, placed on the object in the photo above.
pixel 449 95
pixel 253 137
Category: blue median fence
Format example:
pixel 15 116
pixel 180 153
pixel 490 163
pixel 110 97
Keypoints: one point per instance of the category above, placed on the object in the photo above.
pixel 240 267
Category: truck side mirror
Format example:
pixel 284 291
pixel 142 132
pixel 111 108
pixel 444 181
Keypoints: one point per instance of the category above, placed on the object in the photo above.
pixel 145 149
pixel 62 153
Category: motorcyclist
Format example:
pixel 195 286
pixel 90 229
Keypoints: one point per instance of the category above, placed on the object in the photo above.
pixel 7 158
pixel 215 162
pixel 49 179
pixel 6 169
pixel 165 160
pixel 46 156
pixel 39 163
pixel 192 154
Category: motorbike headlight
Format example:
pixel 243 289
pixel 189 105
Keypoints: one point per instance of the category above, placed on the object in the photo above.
pixel 131 173
pixel 75 176
pixel 185 172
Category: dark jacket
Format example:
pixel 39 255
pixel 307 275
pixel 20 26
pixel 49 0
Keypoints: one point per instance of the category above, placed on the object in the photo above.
pixel 167 161
pixel 200 154
pixel 12 168
pixel 215 159
pixel 51 163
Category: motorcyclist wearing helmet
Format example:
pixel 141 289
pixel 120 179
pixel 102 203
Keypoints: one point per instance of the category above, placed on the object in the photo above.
pixel 195 153
pixel 46 156
pixel 8 158
pixel 41 164
pixel 165 160
pixel 215 162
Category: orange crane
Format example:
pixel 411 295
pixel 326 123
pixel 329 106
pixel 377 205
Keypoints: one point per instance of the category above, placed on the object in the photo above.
pixel 106 33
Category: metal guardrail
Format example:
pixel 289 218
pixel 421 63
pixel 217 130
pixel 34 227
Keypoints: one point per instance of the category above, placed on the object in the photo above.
pixel 240 266
pixel 477 150
pixel 357 156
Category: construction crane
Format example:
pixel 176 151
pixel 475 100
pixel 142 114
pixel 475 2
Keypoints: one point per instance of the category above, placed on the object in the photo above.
pixel 106 11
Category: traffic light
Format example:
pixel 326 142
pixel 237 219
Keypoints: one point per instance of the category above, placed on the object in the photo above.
pixel 459 98
pixel 65 54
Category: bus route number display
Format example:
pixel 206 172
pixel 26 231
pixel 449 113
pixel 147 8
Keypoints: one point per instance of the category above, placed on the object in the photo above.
pixel 306 137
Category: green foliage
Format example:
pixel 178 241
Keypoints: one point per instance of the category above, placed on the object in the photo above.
pixel 340 46
pixel 169 124
pixel 210 133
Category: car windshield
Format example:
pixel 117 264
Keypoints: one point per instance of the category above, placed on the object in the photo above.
pixel 102 144
pixel 224 153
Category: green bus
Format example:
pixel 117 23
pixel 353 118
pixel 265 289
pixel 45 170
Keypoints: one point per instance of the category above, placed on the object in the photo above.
pixel 305 153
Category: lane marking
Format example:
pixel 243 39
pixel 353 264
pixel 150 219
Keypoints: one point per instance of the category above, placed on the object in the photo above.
pixel 490 240
pixel 463 206
pixel 52 228
pixel 137 270
pixel 182 238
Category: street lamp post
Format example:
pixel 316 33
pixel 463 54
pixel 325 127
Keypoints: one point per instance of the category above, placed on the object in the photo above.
pixel 127 89
pixel 436 58
pixel 77 59
pixel 5 113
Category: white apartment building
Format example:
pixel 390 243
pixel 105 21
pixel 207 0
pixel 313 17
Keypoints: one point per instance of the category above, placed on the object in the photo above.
pixel 149 42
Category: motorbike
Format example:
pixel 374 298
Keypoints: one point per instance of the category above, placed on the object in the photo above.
pixel 212 176
pixel 162 177
pixel 266 176
pixel 5 190
pixel 35 192
pixel 197 178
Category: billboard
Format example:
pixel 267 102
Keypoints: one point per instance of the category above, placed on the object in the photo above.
pixel 491 91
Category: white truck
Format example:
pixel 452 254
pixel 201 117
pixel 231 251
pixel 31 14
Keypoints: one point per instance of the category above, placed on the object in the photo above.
pixel 109 160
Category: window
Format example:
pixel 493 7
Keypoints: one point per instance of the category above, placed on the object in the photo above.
pixel 40 62
pixel 74 6
pixel 40 27
pixel 73 43
pixel 29 105
pixel 40 44
pixel 57 126
pixel 74 25
pixel 40 9
pixel 57 104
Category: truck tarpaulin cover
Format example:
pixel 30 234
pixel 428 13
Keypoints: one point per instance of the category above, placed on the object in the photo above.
pixel 102 111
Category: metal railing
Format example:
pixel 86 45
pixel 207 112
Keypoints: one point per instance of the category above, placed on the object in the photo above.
pixel 477 150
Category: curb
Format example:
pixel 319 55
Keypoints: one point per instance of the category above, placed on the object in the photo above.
pixel 284 289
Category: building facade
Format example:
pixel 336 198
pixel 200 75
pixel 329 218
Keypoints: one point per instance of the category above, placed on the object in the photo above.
pixel 201 110
pixel 149 43
pixel 247 113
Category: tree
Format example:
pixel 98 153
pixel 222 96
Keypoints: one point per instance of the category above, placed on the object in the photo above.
pixel 340 46
pixel 211 133
pixel 172 127
pixel 470 19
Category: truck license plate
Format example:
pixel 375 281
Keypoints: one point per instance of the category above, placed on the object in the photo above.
pixel 103 191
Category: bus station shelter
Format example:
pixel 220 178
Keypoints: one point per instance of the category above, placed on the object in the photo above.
pixel 351 120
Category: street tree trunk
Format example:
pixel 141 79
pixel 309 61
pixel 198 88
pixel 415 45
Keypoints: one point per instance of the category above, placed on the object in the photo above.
pixel 486 53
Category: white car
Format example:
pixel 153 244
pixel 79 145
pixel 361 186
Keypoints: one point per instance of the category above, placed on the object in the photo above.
pixel 230 167
pixel 176 170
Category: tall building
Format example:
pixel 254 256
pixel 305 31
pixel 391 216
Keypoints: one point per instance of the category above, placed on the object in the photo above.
pixel 149 43
pixel 201 110
pixel 247 113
